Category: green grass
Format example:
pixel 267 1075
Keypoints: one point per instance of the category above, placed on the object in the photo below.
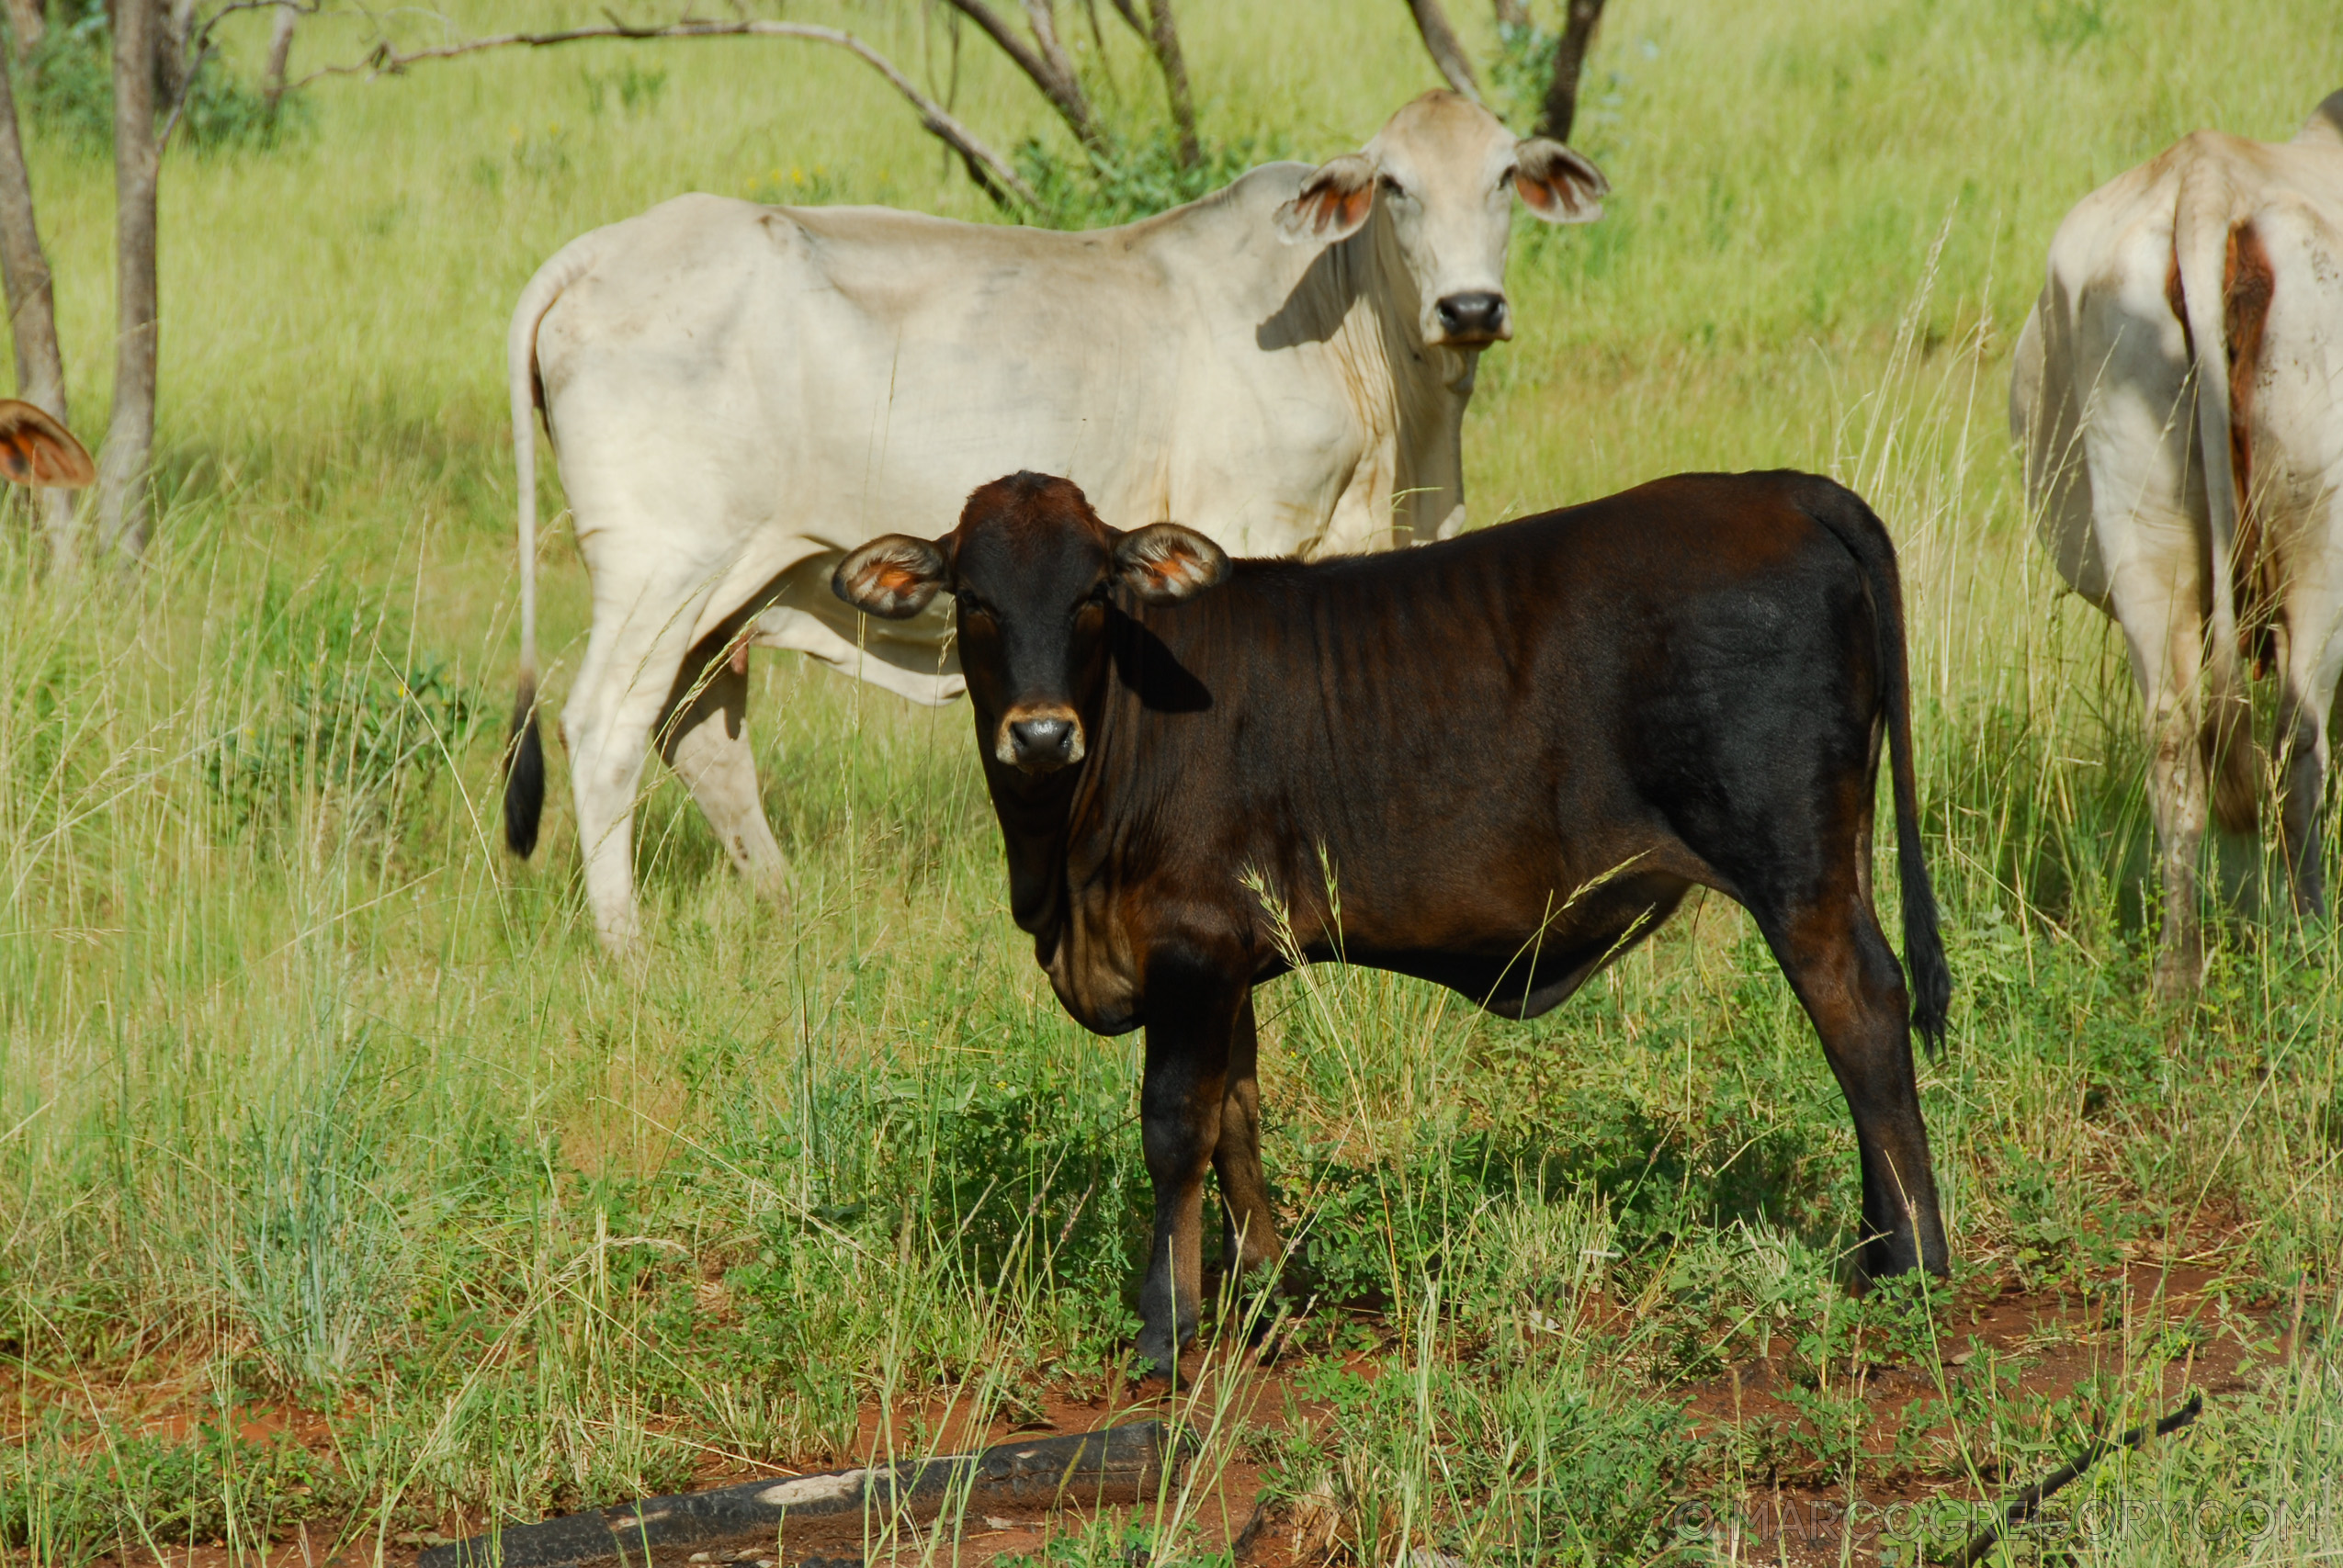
pixel 311 1099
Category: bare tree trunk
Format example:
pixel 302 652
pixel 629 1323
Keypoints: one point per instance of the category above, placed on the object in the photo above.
pixel 1440 41
pixel 26 20
pixel 280 54
pixel 1512 14
pixel 32 312
pixel 125 499
pixel 1163 37
pixel 1561 109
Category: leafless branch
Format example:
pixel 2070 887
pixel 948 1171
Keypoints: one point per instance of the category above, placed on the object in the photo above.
pixel 1063 89
pixel 1512 14
pixel 991 172
pixel 1440 41
pixel 1561 108
pixel 1042 16
pixel 1163 40
pixel 1161 35
pixel 179 98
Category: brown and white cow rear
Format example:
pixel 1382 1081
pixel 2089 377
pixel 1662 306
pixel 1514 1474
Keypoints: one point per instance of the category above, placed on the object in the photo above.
pixel 2179 390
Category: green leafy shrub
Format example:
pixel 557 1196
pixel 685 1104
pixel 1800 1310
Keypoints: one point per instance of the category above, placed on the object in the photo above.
pixel 1031 1172
pixel 1135 177
pixel 68 88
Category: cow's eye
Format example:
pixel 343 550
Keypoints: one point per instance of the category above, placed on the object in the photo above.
pixel 972 605
pixel 1394 186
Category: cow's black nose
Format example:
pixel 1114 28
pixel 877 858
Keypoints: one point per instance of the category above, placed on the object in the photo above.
pixel 1043 742
pixel 1477 318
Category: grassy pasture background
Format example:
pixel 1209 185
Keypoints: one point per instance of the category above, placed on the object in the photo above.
pixel 311 1101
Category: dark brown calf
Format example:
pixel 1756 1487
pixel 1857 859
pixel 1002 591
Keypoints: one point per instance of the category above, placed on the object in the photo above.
pixel 1515 751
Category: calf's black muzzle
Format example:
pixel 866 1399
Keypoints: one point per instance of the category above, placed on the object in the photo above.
pixel 1040 742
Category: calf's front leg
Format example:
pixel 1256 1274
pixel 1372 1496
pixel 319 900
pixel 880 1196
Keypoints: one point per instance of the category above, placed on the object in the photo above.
pixel 1192 1005
pixel 1250 1246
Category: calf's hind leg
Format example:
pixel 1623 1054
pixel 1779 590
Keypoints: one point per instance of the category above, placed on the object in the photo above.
pixel 1192 1005
pixel 1844 973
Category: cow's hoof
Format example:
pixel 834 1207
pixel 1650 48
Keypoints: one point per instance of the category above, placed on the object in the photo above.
pixel 1158 1354
pixel 2179 971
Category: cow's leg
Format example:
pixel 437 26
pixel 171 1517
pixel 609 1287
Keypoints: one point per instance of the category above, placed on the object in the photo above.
pixel 2306 699
pixel 705 738
pixel 1192 1005
pixel 624 684
pixel 2128 365
pixel 2156 604
pixel 2176 799
pixel 1843 971
pixel 1249 1233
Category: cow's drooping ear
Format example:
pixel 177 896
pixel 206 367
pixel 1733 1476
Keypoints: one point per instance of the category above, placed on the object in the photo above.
pixel 37 450
pixel 894 576
pixel 1559 185
pixel 1164 563
pixel 1333 204
pixel 2324 128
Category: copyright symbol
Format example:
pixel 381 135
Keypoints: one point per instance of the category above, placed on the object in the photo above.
pixel 1692 1518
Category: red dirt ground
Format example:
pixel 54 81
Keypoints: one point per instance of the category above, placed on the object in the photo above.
pixel 1789 1515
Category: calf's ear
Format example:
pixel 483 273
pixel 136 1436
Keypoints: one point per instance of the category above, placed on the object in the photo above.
pixel 894 576
pixel 1164 563
pixel 1559 184
pixel 1333 204
pixel 37 450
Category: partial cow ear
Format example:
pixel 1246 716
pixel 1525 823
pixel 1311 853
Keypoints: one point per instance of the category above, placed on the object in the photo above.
pixel 894 576
pixel 37 450
pixel 2324 128
pixel 1334 203
pixel 1164 563
pixel 1559 184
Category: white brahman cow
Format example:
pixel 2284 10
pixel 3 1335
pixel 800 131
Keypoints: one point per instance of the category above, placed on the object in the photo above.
pixel 2179 391
pixel 738 395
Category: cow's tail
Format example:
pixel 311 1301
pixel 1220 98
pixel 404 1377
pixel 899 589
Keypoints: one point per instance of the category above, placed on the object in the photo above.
pixel 524 748
pixel 2219 285
pixel 1857 527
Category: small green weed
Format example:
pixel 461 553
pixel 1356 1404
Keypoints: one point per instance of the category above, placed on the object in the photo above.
pixel 633 88
pixel 67 1496
pixel 338 706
